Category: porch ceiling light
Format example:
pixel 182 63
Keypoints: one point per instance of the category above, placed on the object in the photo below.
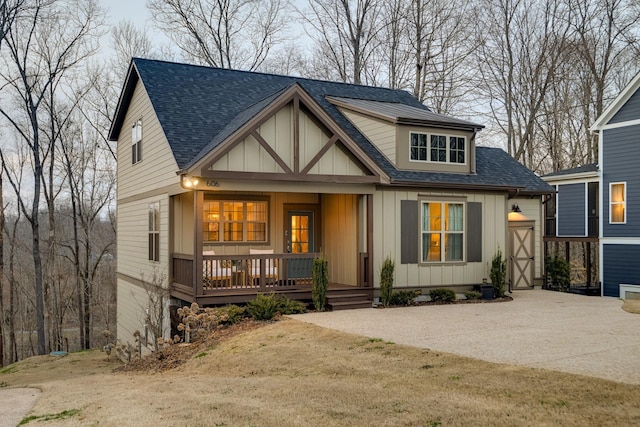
pixel 188 182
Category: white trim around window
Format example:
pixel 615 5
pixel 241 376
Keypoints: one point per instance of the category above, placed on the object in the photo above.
pixel 426 147
pixel 136 142
pixel 617 203
pixel 154 231
pixel 442 231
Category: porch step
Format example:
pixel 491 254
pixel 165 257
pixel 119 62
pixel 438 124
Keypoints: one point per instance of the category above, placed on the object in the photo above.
pixel 348 301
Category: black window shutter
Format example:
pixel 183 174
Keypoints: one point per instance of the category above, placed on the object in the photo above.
pixel 474 232
pixel 409 235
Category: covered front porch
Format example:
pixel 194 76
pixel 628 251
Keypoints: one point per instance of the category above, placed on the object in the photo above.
pixel 229 246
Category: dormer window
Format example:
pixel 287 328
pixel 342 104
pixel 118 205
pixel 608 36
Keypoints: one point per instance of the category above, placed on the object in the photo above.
pixel 136 142
pixel 437 148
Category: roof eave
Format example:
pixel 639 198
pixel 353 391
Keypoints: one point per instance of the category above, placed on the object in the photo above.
pixel 444 125
pixel 126 94
pixel 455 186
pixel 569 176
pixel 617 103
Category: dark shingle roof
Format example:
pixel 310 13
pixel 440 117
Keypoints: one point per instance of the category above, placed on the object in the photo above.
pixel 401 113
pixel 591 167
pixel 199 107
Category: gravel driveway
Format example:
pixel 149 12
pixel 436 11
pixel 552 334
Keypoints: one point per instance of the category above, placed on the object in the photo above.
pixel 591 336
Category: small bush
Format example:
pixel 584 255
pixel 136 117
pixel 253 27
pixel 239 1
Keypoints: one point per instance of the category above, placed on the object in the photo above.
pixel 442 294
pixel 498 273
pixel 291 306
pixel 268 306
pixel 264 307
pixel 403 297
pixel 473 295
pixel 320 283
pixel 558 272
pixel 230 314
pixel 386 281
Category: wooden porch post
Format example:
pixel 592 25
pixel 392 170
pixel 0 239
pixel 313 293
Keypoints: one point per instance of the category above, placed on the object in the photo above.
pixel 198 204
pixel 370 280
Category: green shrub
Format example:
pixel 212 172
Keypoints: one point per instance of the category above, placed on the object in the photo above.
pixel 386 281
pixel 403 297
pixel 498 273
pixel 268 306
pixel 473 295
pixel 320 282
pixel 229 315
pixel 264 307
pixel 291 306
pixel 558 272
pixel 442 294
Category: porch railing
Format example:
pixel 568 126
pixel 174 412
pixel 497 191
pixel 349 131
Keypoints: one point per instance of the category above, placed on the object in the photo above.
pixel 251 272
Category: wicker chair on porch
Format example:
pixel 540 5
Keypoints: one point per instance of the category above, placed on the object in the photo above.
pixel 270 267
pixel 214 273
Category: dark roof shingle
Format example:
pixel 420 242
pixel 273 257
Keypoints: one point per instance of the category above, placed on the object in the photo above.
pixel 199 107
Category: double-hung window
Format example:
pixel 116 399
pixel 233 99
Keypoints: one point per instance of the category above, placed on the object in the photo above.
pixel 235 221
pixel 136 142
pixel 154 231
pixel 618 202
pixel 436 148
pixel 442 228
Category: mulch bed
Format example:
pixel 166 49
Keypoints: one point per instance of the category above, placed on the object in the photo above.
pixel 458 301
pixel 175 355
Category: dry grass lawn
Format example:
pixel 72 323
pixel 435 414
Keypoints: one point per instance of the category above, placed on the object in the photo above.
pixel 291 373
pixel 632 306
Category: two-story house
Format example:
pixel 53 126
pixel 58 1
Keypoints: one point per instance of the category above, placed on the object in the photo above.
pixel 618 129
pixel 231 182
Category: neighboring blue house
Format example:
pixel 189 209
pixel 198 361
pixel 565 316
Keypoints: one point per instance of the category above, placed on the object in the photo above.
pixel 619 158
pixel 572 224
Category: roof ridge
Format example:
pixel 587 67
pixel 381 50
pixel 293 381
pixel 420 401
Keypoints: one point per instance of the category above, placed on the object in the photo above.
pixel 234 70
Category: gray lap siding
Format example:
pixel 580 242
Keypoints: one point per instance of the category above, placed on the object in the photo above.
pixel 621 160
pixel 571 210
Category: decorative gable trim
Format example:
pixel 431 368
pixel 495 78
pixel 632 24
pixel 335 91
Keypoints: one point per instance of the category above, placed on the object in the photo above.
pixel 296 171
pixel 616 105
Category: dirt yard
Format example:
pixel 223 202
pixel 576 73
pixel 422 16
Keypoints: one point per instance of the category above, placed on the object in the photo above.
pixel 290 373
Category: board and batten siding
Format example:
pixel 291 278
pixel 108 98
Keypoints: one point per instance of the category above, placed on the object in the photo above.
pixel 382 134
pixel 340 237
pixel 387 217
pixel 629 111
pixel 158 168
pixel 620 266
pixel 621 151
pixel 571 210
pixel 277 131
pixel 183 223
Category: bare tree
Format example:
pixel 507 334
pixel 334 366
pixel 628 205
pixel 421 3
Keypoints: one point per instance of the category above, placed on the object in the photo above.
pixel 603 31
pixel 128 41
pixel 521 45
pixel 345 33
pixel 8 11
pixel 222 33
pixel 44 44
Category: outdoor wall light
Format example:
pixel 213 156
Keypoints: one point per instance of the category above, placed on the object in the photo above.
pixel 516 214
pixel 189 181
